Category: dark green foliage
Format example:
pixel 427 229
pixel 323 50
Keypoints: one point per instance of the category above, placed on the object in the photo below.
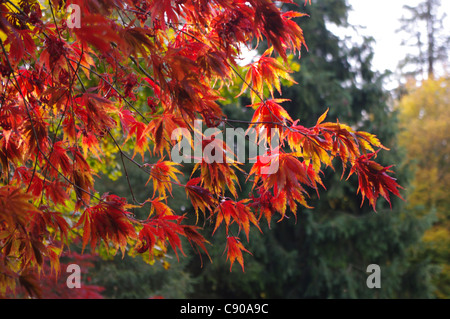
pixel 132 278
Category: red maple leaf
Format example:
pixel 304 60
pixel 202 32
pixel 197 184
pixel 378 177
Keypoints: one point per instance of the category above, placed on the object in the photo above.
pixel 373 180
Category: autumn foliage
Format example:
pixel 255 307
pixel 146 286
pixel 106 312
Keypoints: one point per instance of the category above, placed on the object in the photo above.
pixel 121 83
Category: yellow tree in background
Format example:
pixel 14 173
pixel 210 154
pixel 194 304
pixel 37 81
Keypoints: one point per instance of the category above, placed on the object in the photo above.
pixel 424 120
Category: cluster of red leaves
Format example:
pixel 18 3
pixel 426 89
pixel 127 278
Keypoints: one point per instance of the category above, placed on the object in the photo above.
pixel 68 94
pixel 51 285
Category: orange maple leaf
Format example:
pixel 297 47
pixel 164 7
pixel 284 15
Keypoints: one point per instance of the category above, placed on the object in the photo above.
pixel 238 212
pixel 373 180
pixel 163 173
pixel 234 251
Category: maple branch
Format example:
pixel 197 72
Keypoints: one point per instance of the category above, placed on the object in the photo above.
pixel 16 7
pixel 140 166
pixel 116 90
pixel 125 168
pixel 32 175
pixel 224 119
pixel 75 74
pixel 258 94
pixel 231 66
pixel 34 129
pixel 148 75
pixel 35 133
pixel 142 69
pixel 75 71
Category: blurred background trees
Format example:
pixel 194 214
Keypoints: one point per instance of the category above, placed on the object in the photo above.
pixel 423 106
pixel 425 133
pixel 425 34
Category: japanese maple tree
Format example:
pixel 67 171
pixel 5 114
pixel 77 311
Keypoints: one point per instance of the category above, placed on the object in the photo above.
pixel 121 82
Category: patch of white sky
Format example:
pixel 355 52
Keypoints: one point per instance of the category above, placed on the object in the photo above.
pixel 380 19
